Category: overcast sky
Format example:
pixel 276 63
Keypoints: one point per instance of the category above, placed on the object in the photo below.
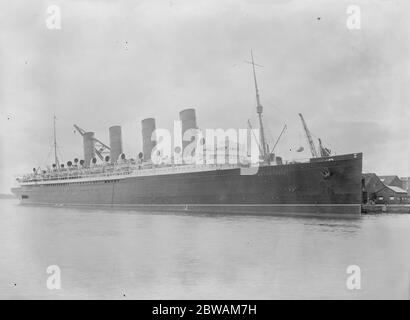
pixel 117 62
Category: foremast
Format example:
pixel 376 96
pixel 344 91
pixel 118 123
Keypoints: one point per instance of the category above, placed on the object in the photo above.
pixel 55 143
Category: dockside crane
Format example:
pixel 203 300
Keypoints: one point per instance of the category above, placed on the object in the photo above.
pixel 324 152
pixel 309 138
pixel 100 148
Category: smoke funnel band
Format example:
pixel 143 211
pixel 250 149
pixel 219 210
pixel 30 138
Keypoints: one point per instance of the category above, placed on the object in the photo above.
pixel 115 143
pixel 89 147
pixel 148 127
pixel 188 121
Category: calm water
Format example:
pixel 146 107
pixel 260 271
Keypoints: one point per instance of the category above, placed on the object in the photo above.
pixel 127 254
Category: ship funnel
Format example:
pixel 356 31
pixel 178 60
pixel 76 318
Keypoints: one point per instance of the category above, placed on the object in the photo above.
pixel 115 143
pixel 89 145
pixel 148 142
pixel 188 121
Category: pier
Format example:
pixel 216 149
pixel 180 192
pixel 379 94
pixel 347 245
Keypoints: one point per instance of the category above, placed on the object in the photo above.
pixel 383 208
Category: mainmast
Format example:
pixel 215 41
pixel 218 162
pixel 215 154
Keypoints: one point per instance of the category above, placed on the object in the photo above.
pixel 259 110
pixel 55 144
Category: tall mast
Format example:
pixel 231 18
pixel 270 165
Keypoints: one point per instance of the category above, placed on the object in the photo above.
pixel 259 110
pixel 55 144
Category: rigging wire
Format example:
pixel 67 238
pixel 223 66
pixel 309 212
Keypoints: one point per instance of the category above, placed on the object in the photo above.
pixel 46 160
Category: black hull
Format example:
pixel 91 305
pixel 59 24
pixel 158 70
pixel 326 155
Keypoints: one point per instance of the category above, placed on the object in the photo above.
pixel 323 186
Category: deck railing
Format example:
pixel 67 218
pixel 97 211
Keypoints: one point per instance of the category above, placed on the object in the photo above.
pixel 99 172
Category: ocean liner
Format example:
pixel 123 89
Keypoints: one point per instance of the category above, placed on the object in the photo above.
pixel 325 184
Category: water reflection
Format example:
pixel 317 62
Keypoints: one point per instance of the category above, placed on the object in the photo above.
pixel 127 254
